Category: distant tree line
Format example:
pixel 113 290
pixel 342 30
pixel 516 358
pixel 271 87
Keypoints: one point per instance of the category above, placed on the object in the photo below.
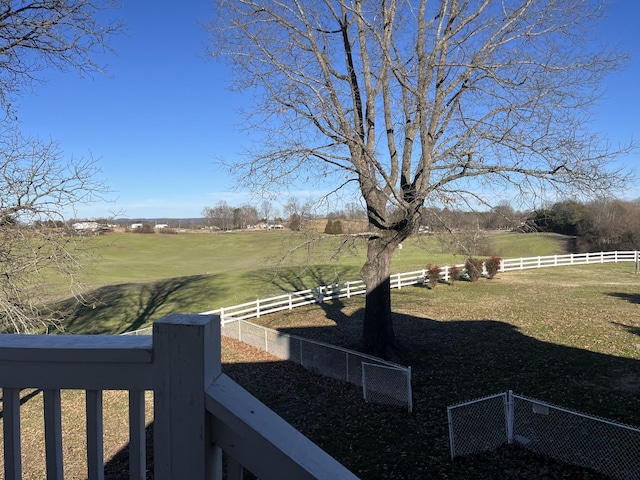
pixel 605 224
pixel 294 215
pixel 601 225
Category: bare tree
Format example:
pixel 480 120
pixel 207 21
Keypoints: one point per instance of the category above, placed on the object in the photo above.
pixel 220 216
pixel 64 34
pixel 37 246
pixel 438 102
pixel 249 214
pixel 38 186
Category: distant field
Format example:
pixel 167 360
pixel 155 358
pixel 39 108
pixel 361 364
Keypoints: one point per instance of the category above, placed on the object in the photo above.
pixel 138 278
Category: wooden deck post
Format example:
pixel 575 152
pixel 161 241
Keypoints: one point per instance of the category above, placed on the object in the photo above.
pixel 186 351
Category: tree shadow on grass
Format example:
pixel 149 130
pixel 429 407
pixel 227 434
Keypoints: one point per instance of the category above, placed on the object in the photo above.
pixel 128 307
pixel 452 362
pixel 629 297
pixel 629 328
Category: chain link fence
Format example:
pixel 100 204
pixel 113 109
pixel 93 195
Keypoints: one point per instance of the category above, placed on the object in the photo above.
pixel 478 425
pixel 381 381
pixel 484 424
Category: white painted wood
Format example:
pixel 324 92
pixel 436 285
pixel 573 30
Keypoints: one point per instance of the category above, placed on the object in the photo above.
pixel 95 436
pixel 53 434
pixel 11 431
pixel 234 470
pixel 137 438
pixel 93 362
pixel 49 374
pixel 261 441
pixel 76 348
pixel 186 351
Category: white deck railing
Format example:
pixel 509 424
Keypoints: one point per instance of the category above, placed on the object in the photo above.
pixel 199 413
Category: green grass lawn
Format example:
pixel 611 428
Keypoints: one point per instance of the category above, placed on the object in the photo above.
pixel 135 279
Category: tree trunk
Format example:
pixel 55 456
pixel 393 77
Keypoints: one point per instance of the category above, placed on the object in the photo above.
pixel 377 335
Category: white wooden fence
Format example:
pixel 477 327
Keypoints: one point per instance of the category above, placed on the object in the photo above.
pixel 319 294
pixel 289 301
pixel 199 413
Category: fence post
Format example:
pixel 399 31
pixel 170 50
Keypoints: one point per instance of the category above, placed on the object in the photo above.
pixel 266 341
pixel 509 415
pixel 637 258
pixel 186 353
pixel 452 445
pixel 346 354
pixel 364 382
pixel 409 391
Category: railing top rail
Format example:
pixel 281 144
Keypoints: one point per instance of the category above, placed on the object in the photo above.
pixel 76 348
pixel 388 366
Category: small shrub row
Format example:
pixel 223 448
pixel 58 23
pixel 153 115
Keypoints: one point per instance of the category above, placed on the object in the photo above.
pixel 473 270
pixel 333 227
pixel 473 267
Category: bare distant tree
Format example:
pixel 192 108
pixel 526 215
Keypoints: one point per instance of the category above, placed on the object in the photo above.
pixel 266 209
pixel 249 214
pixel 37 184
pixel 440 101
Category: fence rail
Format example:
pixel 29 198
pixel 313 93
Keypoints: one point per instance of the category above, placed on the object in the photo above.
pixel 572 437
pixel 567 260
pixel 322 293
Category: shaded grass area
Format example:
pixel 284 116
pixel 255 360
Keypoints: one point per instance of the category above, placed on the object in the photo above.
pixel 568 336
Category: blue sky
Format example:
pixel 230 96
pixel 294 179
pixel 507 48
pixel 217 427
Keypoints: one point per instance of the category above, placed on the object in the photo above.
pixel 163 113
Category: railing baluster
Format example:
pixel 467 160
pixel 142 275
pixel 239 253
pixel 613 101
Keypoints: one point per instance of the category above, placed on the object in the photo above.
pixel 11 421
pixel 53 433
pixel 234 469
pixel 137 436
pixel 95 437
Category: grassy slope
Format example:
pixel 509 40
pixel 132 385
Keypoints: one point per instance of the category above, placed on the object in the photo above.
pixel 140 278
